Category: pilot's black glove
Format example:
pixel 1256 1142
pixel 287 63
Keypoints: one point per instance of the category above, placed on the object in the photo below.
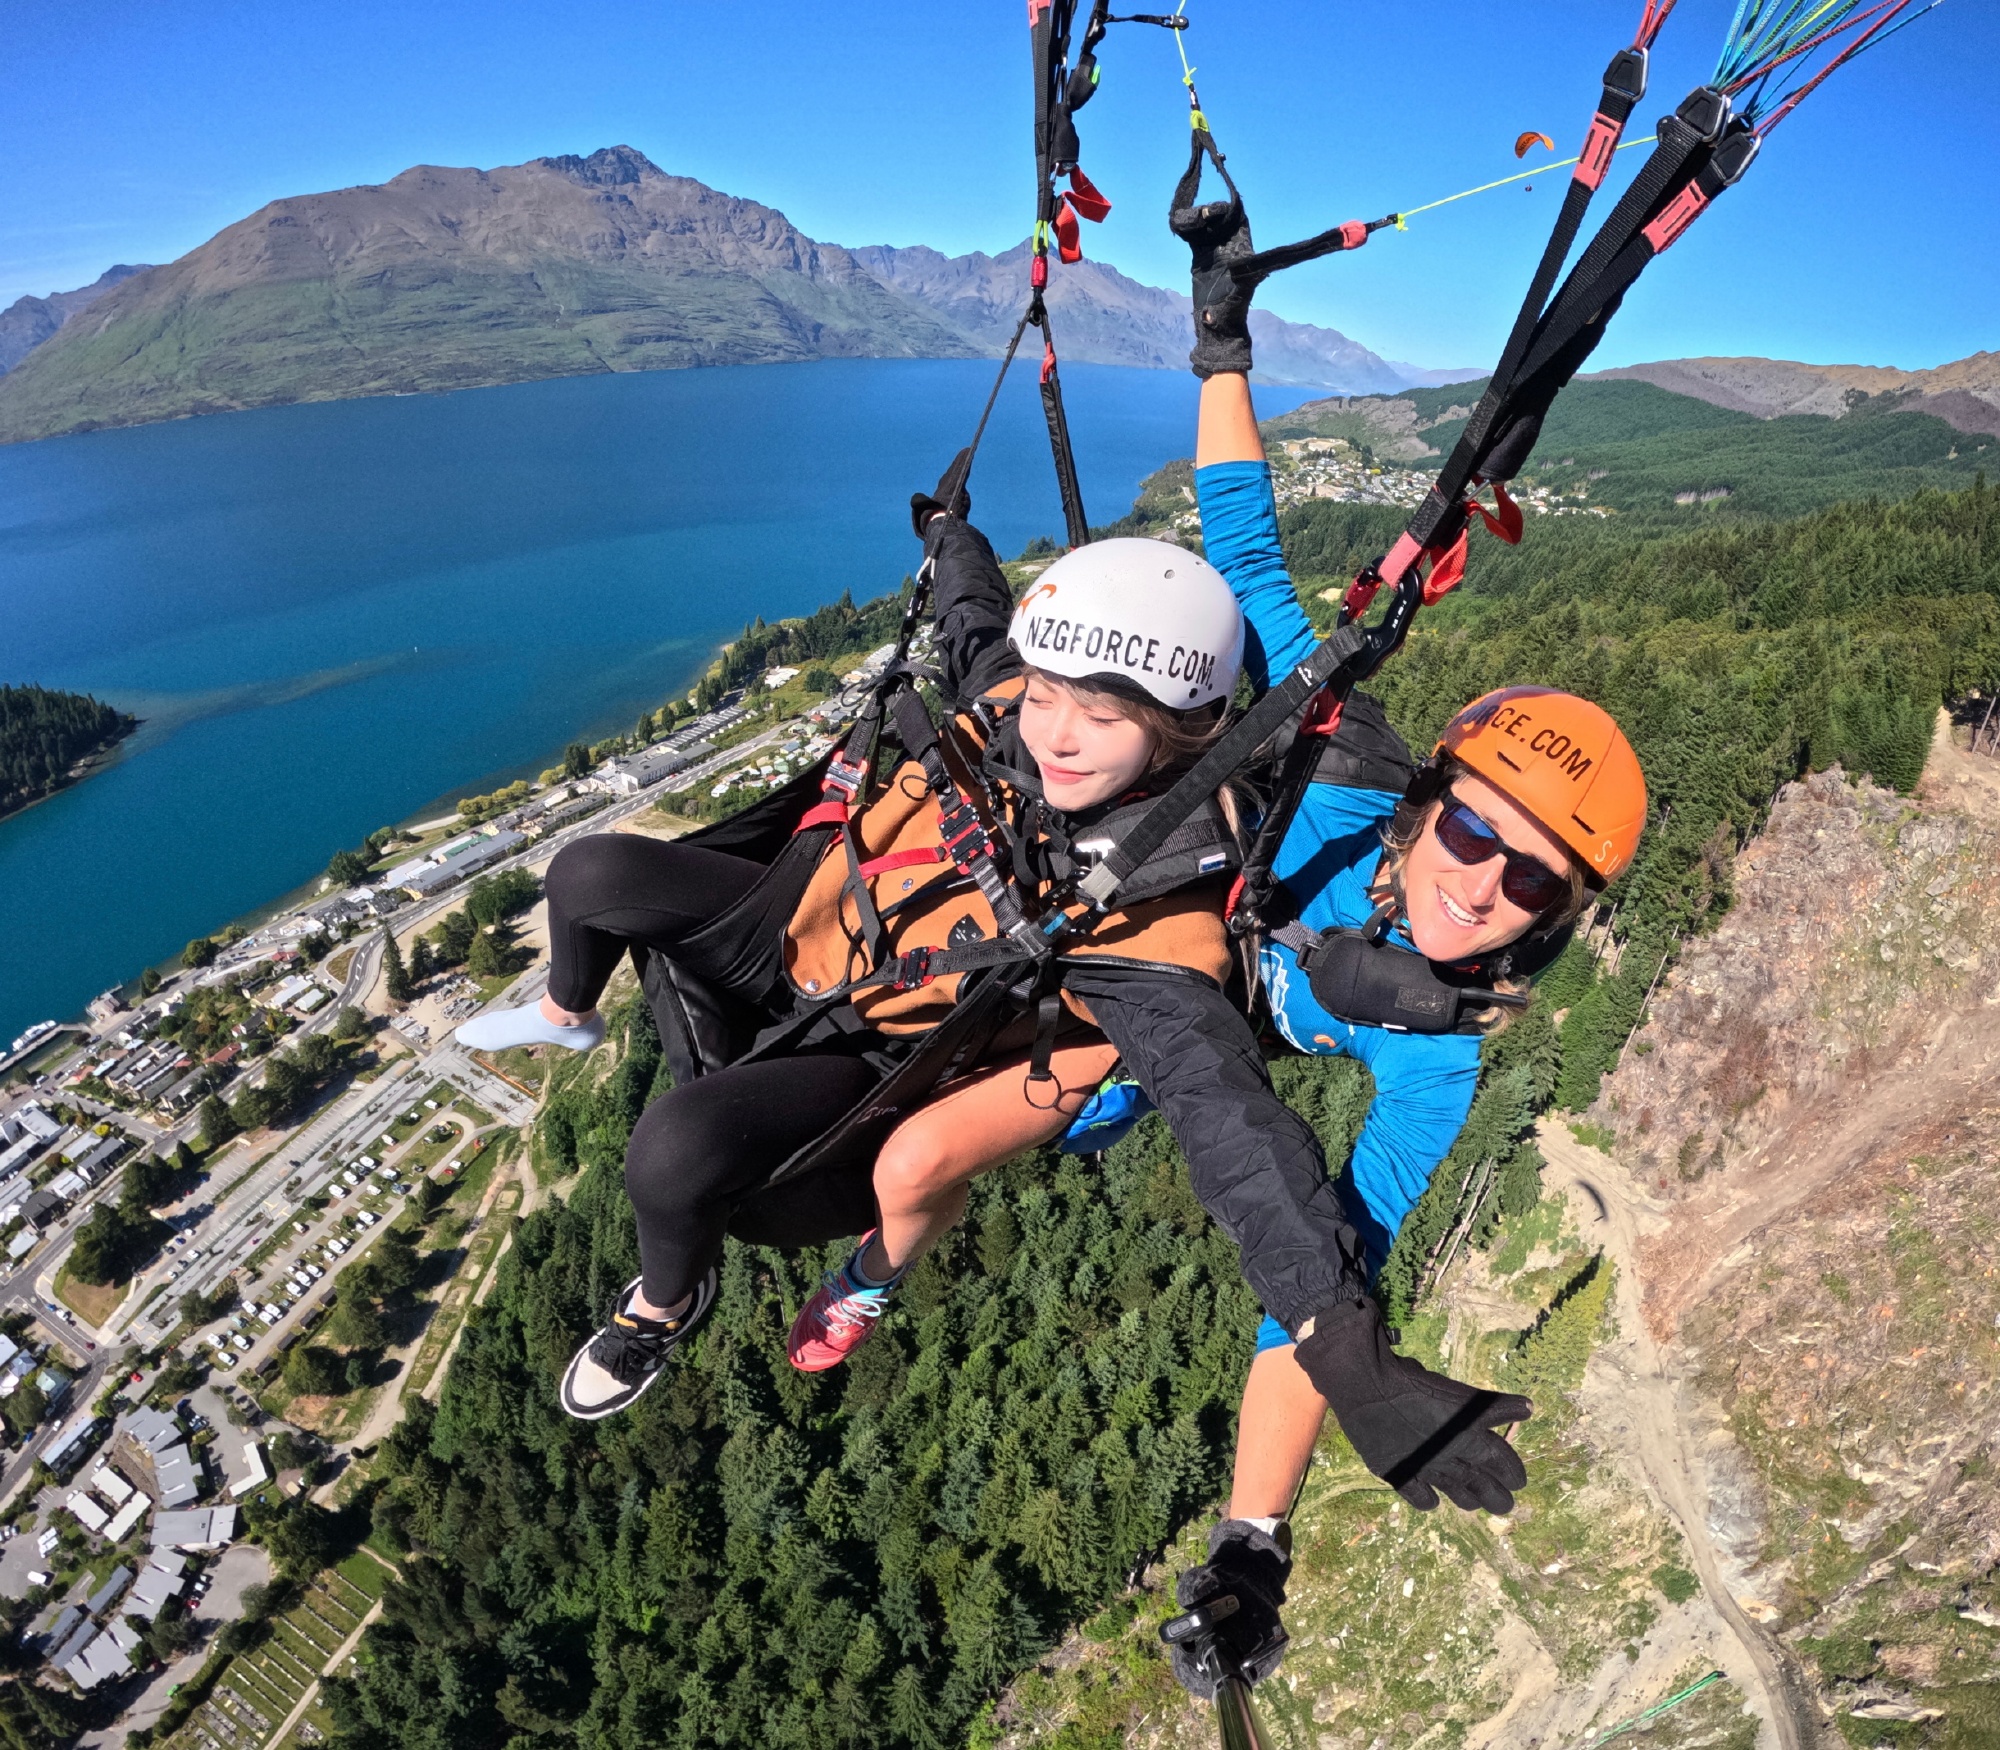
pixel 1218 236
pixel 1247 1563
pixel 951 498
pixel 1420 1432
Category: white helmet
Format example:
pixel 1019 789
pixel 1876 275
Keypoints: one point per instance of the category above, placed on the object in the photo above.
pixel 1147 613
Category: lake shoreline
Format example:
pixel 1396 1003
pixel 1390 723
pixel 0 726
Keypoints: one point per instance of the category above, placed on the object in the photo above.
pixel 102 757
pixel 344 614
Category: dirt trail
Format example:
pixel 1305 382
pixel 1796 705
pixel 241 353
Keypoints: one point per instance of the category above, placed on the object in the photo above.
pixel 1633 1401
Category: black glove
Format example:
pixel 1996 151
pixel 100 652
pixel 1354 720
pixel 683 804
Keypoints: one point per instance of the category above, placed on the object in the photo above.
pixel 951 497
pixel 1251 1565
pixel 1420 1432
pixel 1218 235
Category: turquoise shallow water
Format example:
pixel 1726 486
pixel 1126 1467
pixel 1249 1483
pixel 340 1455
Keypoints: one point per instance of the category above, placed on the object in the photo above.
pixel 335 616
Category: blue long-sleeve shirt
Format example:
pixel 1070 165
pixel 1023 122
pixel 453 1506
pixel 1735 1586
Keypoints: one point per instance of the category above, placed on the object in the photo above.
pixel 1423 1082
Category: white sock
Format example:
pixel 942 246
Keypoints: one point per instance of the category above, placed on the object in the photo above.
pixel 528 1026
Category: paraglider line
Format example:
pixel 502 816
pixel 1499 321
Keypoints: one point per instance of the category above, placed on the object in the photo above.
pixel 1522 176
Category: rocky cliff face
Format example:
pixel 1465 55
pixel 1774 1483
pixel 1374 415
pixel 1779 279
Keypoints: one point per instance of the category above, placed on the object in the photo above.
pixel 1814 1110
pixel 447 278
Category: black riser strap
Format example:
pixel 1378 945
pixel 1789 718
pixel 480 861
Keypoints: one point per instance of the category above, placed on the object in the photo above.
pixel 1076 525
pixel 1673 163
pixel 1624 85
pixel 1293 781
pixel 1664 172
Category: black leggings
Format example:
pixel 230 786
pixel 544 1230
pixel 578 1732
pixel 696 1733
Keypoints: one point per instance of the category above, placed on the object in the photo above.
pixel 613 889
pixel 699 1162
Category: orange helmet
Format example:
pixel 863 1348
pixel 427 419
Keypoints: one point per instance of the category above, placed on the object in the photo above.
pixel 1566 762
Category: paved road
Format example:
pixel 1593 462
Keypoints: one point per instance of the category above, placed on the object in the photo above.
pixel 89 1382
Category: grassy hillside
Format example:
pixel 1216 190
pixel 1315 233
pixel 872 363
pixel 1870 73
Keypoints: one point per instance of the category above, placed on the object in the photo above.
pixel 1670 460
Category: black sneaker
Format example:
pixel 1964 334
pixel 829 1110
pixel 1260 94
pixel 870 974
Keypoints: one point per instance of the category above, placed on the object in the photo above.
pixel 610 1371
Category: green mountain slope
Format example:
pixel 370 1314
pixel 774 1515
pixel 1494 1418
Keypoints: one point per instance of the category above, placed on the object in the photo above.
pixel 1670 459
pixel 447 279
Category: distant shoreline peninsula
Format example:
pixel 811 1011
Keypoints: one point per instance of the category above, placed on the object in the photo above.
pixel 50 740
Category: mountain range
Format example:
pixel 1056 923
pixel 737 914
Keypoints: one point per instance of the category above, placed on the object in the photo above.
pixel 453 278
pixel 1964 393
pixel 1102 317
pixel 450 278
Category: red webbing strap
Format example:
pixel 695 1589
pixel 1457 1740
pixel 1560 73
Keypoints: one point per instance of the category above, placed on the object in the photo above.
pixel 1322 714
pixel 1447 571
pixel 901 860
pixel 1600 145
pixel 832 812
pixel 1084 196
pixel 1068 244
pixel 1676 216
pixel 1505 524
pixel 1398 560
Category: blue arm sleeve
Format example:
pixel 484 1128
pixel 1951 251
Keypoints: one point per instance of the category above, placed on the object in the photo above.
pixel 1239 530
pixel 1423 1089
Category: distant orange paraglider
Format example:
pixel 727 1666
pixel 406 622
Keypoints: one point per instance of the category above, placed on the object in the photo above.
pixel 1528 139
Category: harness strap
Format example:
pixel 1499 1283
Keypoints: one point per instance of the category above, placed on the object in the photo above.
pixel 901 860
pixel 1348 653
pixel 1048 1016
pixel 1076 526
pixel 1250 898
pixel 962 828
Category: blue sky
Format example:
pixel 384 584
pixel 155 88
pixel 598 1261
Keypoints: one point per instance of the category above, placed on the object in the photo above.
pixel 1866 233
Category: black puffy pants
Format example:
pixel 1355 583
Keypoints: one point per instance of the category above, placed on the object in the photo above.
pixel 700 1159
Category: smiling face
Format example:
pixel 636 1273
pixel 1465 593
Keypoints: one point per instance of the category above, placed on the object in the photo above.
pixel 1085 747
pixel 1456 910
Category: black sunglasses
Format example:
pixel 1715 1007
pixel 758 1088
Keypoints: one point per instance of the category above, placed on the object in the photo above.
pixel 1527 882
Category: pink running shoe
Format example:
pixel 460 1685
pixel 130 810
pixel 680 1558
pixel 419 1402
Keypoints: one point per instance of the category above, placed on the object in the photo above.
pixel 840 1317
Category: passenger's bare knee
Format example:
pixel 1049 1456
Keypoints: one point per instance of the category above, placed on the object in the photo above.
pixel 911 1164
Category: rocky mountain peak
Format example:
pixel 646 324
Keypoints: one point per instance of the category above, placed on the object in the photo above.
pixel 607 167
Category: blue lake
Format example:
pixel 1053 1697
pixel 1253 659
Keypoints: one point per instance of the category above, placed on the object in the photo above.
pixel 335 617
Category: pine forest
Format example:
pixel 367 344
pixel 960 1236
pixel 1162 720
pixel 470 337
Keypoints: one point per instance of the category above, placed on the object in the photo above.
pixel 46 735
